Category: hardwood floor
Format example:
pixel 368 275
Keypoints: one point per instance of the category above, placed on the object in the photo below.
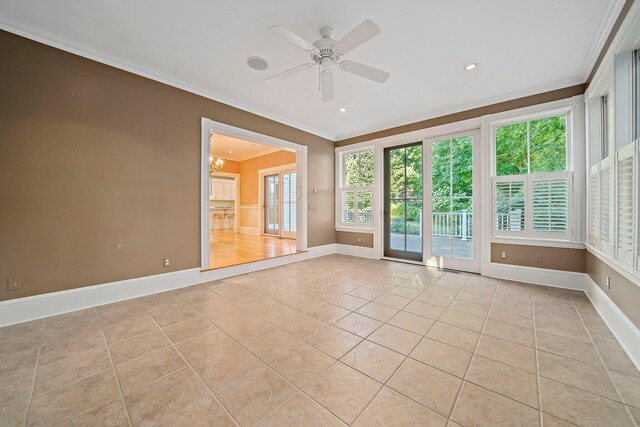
pixel 231 248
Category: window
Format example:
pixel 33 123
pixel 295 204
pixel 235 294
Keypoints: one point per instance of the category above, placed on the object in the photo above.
pixel 531 184
pixel 635 81
pixel 356 189
pixel 604 129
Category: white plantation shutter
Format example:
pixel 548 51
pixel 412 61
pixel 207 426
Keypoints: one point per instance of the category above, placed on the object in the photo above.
pixel 550 213
pixel 605 195
pixel 626 194
pixel 509 204
pixel 594 206
pixel 535 205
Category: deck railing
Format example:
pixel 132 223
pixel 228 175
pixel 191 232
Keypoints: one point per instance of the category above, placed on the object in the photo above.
pixel 459 224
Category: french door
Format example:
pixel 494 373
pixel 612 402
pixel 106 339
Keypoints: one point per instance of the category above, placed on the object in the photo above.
pixel 451 186
pixel 272 204
pixel 403 213
pixel 280 204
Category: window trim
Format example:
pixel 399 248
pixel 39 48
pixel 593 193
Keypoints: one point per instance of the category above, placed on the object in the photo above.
pixel 352 227
pixel 529 233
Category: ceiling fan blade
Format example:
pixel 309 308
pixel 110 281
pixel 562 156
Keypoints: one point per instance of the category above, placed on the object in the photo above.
pixel 289 73
pixel 293 37
pixel 364 71
pixel 362 33
pixel 326 85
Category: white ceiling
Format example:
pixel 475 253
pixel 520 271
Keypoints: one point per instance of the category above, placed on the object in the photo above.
pixel 521 47
pixel 230 148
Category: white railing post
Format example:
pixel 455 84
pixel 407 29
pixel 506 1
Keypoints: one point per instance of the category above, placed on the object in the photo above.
pixel 464 225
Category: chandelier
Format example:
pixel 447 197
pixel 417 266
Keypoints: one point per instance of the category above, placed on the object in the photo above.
pixel 214 166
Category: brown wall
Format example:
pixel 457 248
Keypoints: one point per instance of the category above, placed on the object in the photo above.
pixel 564 259
pixel 348 238
pixel 100 171
pixel 249 173
pixel 624 293
pixel 513 104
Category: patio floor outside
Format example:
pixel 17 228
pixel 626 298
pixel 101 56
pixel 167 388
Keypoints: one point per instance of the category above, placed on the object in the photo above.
pixel 442 245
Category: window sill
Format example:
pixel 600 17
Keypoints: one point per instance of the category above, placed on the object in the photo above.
pixel 366 230
pixel 552 243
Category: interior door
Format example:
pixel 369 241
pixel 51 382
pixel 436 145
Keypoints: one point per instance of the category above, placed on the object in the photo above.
pixel 403 219
pixel 289 186
pixel 452 216
pixel 272 204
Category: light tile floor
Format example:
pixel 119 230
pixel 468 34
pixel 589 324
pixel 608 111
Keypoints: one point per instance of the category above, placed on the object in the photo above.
pixel 325 342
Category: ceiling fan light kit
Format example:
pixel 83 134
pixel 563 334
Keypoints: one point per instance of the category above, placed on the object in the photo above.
pixel 326 52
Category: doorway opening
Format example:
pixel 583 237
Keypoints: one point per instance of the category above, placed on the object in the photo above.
pixel 253 208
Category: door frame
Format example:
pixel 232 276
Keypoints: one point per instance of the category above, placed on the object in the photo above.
pixel 474 264
pixel 393 140
pixel 387 206
pixel 262 173
pixel 207 127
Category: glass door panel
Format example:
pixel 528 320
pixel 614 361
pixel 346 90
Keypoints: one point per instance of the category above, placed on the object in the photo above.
pixel 272 204
pixel 451 226
pixel 289 186
pixel 403 202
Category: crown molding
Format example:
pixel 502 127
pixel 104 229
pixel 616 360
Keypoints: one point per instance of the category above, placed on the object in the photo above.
pixel 600 38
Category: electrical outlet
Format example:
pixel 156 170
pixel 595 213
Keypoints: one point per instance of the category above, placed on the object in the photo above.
pixel 539 259
pixel 166 262
pixel 359 239
pixel 608 282
pixel 503 255
pixel 13 284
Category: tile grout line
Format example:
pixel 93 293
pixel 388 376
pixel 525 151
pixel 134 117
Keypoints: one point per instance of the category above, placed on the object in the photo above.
pixel 266 365
pixel 335 360
pixel 115 373
pixel 299 389
pixel 473 355
pixel 191 367
pixel 535 346
pixel 606 368
pixel 33 386
pixel 405 359
pixel 458 290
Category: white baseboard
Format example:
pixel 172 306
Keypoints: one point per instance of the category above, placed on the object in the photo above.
pixel 51 304
pixel 250 230
pixel 38 306
pixel 624 330
pixel 358 251
pixel 536 276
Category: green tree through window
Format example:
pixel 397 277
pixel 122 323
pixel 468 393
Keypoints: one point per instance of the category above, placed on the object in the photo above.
pixel 532 147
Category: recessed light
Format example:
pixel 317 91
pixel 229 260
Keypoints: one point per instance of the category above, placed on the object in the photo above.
pixel 257 63
pixel 230 152
pixel 471 66
pixel 342 110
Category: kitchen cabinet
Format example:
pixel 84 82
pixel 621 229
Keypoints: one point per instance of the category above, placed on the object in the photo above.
pixel 223 189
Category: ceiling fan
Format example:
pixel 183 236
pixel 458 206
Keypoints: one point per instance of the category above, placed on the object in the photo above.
pixel 327 52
